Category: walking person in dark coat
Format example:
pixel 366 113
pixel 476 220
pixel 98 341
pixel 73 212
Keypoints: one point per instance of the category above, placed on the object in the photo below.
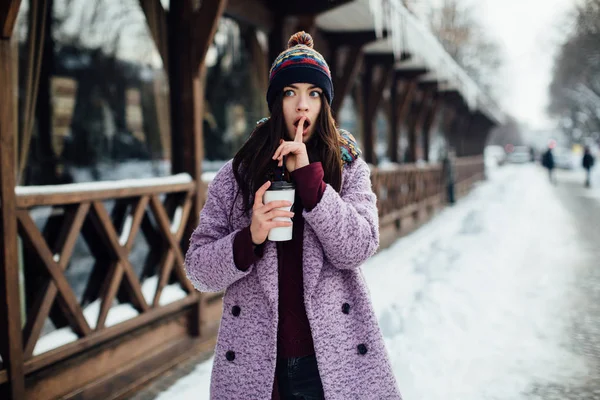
pixel 448 173
pixel 548 163
pixel 588 163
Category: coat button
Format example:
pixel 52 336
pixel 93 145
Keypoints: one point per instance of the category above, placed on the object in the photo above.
pixel 230 355
pixel 346 308
pixel 362 349
pixel 235 310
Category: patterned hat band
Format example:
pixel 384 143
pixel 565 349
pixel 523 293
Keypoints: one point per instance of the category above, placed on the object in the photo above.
pixel 299 63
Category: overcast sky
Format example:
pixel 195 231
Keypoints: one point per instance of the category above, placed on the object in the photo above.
pixel 530 32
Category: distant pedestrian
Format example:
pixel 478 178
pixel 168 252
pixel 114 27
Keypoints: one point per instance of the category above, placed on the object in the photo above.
pixel 588 163
pixel 548 163
pixel 448 173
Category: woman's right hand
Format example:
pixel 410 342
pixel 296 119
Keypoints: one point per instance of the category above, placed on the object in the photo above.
pixel 263 214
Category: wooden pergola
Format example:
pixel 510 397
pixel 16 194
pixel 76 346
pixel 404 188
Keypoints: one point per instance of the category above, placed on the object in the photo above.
pixel 112 361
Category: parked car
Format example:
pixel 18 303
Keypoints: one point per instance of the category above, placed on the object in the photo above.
pixel 564 158
pixel 519 155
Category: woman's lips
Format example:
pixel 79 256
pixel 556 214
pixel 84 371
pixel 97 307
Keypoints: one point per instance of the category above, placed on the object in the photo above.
pixel 306 125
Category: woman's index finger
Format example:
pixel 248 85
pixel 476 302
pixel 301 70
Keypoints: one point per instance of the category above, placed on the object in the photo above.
pixel 258 198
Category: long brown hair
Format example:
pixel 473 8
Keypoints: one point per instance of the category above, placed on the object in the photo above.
pixel 253 163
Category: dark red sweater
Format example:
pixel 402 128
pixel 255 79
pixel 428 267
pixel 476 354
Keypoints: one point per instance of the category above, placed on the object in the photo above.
pixel 294 337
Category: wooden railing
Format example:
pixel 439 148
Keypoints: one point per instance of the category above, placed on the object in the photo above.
pixel 108 217
pixel 408 195
pixel 401 190
pixel 468 171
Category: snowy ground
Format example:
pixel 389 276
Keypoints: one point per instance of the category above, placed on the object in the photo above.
pixel 479 303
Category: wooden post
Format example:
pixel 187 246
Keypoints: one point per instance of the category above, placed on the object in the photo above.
pixel 372 92
pixel 276 43
pixel 191 32
pixel 44 108
pixel 431 115
pixel 344 80
pixel 367 120
pixel 11 346
pixel 416 126
pixel 156 18
pixel 393 121
pixel 463 138
pixel 400 113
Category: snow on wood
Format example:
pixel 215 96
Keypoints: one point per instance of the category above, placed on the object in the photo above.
pixel 169 294
pixel 103 185
pixel 177 219
pixel 126 230
pixel 407 34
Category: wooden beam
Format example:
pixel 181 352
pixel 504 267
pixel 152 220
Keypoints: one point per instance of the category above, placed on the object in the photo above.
pixel 252 12
pixel 187 69
pixel 343 82
pixel 431 115
pixel 381 58
pixel 276 39
pixel 35 44
pixel 260 67
pixel 356 38
pixel 367 121
pixel 372 93
pixel 386 65
pixel 306 23
pixel 393 135
pixel 410 73
pixel 415 128
pixel 204 25
pixel 11 346
pixel 156 17
pixel 302 7
pixel 406 100
pixel 9 9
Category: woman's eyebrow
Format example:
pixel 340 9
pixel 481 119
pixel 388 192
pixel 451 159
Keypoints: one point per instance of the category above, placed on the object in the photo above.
pixel 297 88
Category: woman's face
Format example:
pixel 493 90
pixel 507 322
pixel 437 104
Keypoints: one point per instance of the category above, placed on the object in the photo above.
pixel 301 100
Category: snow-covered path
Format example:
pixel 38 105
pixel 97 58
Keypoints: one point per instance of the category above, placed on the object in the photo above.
pixel 478 303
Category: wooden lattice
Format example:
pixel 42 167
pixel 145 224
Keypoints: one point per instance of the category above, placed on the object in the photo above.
pixel 110 237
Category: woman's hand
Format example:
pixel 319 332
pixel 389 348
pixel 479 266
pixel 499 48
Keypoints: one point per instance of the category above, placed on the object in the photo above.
pixel 297 157
pixel 263 214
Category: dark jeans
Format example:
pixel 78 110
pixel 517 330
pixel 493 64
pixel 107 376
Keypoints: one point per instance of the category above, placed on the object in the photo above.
pixel 299 378
pixel 450 193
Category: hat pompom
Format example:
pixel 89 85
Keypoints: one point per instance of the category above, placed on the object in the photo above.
pixel 300 38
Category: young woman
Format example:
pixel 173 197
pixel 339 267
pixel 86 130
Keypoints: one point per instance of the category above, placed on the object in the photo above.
pixel 297 320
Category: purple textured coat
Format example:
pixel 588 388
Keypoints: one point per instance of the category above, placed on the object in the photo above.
pixel 340 233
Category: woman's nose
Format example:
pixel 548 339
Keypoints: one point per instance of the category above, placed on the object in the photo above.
pixel 302 104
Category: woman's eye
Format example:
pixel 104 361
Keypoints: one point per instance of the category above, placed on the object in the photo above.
pixel 315 93
pixel 288 93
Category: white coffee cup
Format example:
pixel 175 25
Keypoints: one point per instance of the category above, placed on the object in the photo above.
pixel 280 190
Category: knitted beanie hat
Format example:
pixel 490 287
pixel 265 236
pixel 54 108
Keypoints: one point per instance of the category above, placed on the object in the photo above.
pixel 299 63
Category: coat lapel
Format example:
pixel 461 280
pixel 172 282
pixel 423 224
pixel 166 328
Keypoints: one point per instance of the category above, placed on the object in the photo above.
pixel 312 260
pixel 266 270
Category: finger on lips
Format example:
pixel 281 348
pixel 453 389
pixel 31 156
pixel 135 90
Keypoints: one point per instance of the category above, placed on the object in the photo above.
pixel 299 130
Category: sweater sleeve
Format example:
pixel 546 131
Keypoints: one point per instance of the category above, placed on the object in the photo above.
pixel 209 261
pixel 246 253
pixel 309 184
pixel 347 223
